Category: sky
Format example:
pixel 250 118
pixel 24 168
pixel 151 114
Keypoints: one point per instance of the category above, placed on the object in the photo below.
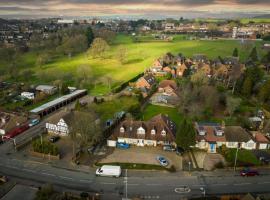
pixel 185 8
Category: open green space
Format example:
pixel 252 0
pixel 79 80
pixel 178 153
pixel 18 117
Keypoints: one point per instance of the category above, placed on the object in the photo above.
pixel 153 110
pixel 140 55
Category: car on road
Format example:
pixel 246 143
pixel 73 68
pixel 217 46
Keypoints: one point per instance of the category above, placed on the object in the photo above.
pixel 54 139
pixel 33 122
pixel 168 148
pixel 249 173
pixel 162 161
pixel 3 179
pixel 122 145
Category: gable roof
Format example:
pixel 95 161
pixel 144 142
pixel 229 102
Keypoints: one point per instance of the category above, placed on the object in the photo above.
pixel 150 79
pixel 210 135
pixel 166 83
pixel 259 137
pixel 237 134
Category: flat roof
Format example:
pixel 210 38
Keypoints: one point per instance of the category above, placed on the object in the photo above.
pixel 57 101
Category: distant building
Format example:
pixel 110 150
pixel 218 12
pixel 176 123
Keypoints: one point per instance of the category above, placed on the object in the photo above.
pixel 65 21
pixel 28 95
pixel 46 89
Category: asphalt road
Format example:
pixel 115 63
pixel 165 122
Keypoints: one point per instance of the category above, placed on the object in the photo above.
pixel 162 186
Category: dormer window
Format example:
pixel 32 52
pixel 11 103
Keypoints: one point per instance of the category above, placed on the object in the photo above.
pixel 122 129
pixel 163 132
pixel 201 130
pixel 153 132
pixel 141 130
pixel 218 131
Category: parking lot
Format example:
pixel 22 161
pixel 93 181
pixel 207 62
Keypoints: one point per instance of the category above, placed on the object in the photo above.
pixel 144 155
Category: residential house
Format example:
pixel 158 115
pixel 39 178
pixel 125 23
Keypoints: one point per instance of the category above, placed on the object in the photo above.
pixel 28 95
pixel 146 83
pixel 9 121
pixel 261 140
pixel 166 94
pixel 231 60
pixel 237 137
pixel 221 71
pixel 209 136
pixel 180 70
pixel 47 89
pixel 61 123
pixel 206 68
pixel 199 58
pixel 159 130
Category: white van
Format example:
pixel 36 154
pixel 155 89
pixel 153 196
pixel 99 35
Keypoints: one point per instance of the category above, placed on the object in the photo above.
pixel 109 170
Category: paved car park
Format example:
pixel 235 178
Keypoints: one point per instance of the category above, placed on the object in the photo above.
pixel 145 155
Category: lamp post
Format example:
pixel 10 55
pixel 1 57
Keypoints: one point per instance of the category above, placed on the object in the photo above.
pixel 189 165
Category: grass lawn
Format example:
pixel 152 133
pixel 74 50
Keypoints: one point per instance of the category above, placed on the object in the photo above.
pixel 106 110
pixel 245 157
pixel 138 166
pixel 153 110
pixel 140 55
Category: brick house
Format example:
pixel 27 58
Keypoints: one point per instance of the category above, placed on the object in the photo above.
pixel 159 130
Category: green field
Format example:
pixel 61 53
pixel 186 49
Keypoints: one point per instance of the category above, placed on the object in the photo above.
pixel 140 55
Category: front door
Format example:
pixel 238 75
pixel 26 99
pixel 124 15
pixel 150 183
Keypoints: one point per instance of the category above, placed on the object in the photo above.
pixel 140 143
pixel 212 148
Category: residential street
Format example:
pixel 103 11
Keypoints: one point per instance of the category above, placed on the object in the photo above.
pixel 143 184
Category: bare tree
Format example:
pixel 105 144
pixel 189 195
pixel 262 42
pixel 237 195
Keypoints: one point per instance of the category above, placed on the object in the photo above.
pixel 232 104
pixel 98 48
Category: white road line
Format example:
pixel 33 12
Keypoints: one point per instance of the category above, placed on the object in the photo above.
pixel 242 184
pixel 14 167
pixel 47 174
pixel 264 182
pixel 64 177
pixel 153 184
pixel 86 181
pixel 199 185
pixel 107 183
pixel 29 170
pixel 219 184
pixel 134 184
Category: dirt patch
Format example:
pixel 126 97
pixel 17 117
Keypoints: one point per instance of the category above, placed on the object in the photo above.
pixel 211 160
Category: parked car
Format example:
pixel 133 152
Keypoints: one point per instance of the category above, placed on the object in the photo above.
pixel 3 179
pixel 54 139
pixel 109 170
pixel 249 173
pixel 168 148
pixel 180 151
pixel 162 161
pixel 122 145
pixel 33 122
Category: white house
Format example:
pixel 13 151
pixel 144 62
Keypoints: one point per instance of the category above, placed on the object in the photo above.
pixel 28 95
pixel 237 137
pixel 261 140
pixel 60 128
pixel 47 89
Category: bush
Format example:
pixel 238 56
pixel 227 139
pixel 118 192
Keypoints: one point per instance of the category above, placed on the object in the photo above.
pixel 219 165
pixel 172 169
pixel 44 147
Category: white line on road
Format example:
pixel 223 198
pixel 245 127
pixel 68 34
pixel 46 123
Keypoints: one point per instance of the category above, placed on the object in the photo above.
pixel 47 174
pixel 220 184
pixel 86 181
pixel 153 184
pixel 133 184
pixel 64 177
pixel 29 170
pixel 107 183
pixel 242 184
pixel 264 182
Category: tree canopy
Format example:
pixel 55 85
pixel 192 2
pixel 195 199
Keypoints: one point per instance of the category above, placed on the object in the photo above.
pixel 185 136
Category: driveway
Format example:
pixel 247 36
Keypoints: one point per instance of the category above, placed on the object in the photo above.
pixel 145 155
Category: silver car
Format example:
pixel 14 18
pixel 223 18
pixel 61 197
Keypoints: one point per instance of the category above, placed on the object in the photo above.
pixel 162 161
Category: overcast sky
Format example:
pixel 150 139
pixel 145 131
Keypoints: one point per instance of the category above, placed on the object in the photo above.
pixel 128 7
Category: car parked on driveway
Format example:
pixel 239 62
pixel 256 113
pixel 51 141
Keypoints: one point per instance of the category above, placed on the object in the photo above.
pixel 249 173
pixel 54 139
pixel 168 148
pixel 162 161
pixel 180 151
pixel 122 145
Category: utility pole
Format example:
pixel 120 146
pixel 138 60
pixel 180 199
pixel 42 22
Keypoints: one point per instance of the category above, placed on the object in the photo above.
pixel 126 183
pixel 189 163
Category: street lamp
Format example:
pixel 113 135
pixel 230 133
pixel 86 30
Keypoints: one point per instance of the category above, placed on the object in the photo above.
pixel 189 164
pixel 203 191
pixel 236 154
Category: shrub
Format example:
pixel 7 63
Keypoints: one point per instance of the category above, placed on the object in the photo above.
pixel 219 165
pixel 44 147
pixel 172 169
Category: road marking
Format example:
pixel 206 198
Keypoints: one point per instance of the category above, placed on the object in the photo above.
pixel 104 183
pixel 14 167
pixel 242 184
pixel 133 184
pixel 64 177
pixel 220 184
pixel 153 184
pixel 199 185
pixel 181 190
pixel 264 182
pixel 29 170
pixel 87 181
pixel 47 174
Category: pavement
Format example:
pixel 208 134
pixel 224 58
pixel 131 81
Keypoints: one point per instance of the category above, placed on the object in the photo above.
pixel 16 192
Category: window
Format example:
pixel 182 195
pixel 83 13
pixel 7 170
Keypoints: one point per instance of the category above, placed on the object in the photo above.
pixel 163 132
pixel 153 131
pixel 231 144
pixel 122 130
pixel 249 145
pixel 141 130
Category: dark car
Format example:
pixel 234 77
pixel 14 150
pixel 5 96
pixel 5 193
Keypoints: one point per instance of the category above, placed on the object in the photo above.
pixel 54 139
pixel 168 148
pixel 249 173
pixel 180 151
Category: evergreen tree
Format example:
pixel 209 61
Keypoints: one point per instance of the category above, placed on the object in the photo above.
pixel 264 92
pixel 89 35
pixel 247 87
pixel 185 136
pixel 235 53
pixel 254 55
